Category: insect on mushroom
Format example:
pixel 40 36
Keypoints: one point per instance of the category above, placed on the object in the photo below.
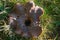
pixel 25 19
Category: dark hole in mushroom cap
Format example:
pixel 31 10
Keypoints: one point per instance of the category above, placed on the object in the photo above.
pixel 27 22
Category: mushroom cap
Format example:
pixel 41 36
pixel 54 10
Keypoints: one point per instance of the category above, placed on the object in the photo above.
pixel 26 25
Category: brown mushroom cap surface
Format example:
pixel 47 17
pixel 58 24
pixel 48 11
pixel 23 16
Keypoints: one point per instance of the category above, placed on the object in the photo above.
pixel 26 25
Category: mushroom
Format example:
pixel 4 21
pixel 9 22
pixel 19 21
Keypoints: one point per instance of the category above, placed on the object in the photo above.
pixel 25 19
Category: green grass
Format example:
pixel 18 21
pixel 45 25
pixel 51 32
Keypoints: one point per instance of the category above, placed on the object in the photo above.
pixel 50 20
